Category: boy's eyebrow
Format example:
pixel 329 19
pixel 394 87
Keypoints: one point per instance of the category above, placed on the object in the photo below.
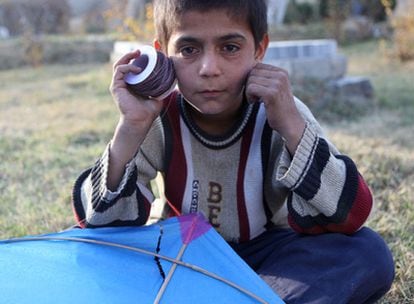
pixel 232 36
pixel 227 37
pixel 187 39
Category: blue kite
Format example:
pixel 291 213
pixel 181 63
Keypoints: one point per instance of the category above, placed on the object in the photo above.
pixel 179 260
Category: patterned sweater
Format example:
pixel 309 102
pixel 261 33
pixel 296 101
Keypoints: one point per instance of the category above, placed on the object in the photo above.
pixel 244 182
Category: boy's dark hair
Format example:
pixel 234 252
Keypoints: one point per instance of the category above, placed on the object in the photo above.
pixel 167 12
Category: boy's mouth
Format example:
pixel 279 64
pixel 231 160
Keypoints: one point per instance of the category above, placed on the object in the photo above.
pixel 211 93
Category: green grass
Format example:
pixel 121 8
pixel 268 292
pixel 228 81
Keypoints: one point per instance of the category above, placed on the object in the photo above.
pixel 382 145
pixel 393 79
pixel 56 120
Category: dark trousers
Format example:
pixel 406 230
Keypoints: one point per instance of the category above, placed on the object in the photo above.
pixel 328 268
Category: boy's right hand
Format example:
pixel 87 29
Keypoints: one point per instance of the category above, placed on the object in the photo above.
pixel 136 117
pixel 137 113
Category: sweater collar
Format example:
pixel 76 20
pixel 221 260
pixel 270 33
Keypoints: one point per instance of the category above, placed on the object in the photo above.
pixel 211 141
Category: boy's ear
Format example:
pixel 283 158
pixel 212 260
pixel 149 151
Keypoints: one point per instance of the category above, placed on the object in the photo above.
pixel 157 45
pixel 262 47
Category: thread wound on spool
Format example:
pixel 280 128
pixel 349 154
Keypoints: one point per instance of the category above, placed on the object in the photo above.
pixel 141 61
pixel 157 78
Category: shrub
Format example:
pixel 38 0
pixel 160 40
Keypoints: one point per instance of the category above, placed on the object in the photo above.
pixel 94 22
pixel 300 12
pixel 334 12
pixel 37 51
pixel 131 27
pixel 375 10
pixel 403 26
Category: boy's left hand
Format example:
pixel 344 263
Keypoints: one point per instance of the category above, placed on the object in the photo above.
pixel 270 85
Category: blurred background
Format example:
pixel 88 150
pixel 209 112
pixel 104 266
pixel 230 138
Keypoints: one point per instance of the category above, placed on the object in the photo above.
pixel 351 61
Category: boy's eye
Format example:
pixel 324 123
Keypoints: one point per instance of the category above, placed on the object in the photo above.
pixel 230 48
pixel 188 51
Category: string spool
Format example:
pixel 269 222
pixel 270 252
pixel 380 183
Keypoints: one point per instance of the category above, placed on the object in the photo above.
pixel 157 78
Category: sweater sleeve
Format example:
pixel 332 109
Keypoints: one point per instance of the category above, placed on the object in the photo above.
pixel 94 205
pixel 328 194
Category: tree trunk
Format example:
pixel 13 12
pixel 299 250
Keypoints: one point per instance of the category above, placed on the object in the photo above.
pixel 135 9
pixel 277 11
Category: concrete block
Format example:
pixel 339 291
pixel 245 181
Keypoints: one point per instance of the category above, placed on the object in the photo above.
pixel 315 59
pixel 122 47
pixel 349 96
pixel 315 48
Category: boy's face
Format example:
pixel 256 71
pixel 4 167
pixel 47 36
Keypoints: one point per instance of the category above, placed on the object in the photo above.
pixel 213 54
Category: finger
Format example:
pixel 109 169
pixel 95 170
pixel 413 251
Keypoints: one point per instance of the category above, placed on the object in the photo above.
pixel 273 82
pixel 269 75
pixel 118 78
pixel 254 92
pixel 125 59
pixel 265 90
pixel 268 72
pixel 264 66
pixel 122 70
pixel 269 79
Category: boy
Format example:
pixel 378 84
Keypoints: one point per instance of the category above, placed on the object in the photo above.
pixel 234 144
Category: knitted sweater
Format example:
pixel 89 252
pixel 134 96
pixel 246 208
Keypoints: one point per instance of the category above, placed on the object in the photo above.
pixel 244 182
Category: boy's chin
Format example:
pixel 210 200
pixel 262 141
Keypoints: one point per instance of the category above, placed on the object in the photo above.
pixel 214 108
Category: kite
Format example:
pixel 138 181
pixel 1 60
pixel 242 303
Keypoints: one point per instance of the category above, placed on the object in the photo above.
pixel 179 260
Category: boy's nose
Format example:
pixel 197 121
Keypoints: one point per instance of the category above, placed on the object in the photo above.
pixel 209 65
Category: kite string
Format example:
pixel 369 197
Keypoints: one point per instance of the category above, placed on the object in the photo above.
pixel 174 266
pixel 187 240
pixel 157 250
pixel 170 274
pixel 142 251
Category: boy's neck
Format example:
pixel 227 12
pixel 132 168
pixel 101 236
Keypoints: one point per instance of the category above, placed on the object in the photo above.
pixel 215 125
